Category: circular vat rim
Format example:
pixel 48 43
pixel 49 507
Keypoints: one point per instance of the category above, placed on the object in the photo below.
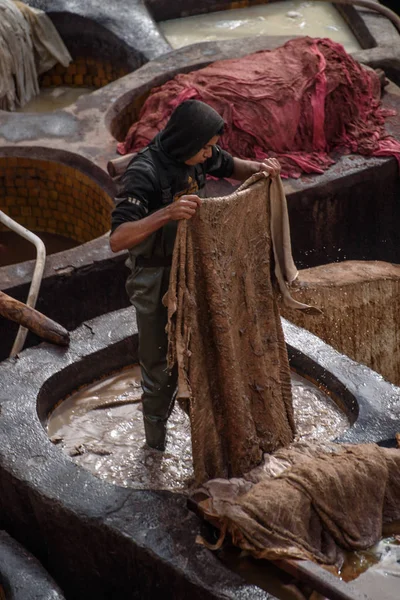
pixel 45 493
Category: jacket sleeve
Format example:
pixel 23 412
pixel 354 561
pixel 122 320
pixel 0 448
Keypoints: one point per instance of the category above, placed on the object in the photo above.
pixel 136 191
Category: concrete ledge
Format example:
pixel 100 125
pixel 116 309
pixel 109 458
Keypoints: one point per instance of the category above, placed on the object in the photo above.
pixel 22 576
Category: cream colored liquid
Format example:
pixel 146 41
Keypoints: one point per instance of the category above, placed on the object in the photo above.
pixel 109 441
pixel 55 98
pixel 288 18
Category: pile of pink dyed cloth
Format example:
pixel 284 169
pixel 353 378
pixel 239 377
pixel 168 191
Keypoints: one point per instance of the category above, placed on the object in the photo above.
pixel 299 102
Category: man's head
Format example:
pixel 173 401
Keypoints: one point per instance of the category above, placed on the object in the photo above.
pixel 202 155
pixel 192 130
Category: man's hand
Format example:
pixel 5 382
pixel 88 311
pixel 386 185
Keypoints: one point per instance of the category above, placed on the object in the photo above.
pixel 184 208
pixel 271 166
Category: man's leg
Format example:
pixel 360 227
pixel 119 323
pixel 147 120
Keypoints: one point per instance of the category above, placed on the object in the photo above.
pixel 158 382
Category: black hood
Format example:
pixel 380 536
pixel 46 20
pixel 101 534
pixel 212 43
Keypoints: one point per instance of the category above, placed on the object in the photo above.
pixel 190 127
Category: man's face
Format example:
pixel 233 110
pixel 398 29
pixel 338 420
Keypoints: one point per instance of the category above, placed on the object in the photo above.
pixel 203 154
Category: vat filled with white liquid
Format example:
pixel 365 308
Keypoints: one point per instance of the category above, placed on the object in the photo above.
pixel 286 18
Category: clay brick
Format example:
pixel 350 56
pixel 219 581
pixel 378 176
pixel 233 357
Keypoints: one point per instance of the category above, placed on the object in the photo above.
pixel 31 223
pixel 78 79
pixel 90 61
pixel 47 213
pixel 81 69
pixel 52 223
pixel 71 70
pixel 97 81
pixel 53 194
pixel 36 212
pixel 104 81
pixel 42 222
pixel 68 79
pixel 19 182
pixel 45 81
pixel 88 80
pixel 57 80
pixel 26 211
pixel 59 69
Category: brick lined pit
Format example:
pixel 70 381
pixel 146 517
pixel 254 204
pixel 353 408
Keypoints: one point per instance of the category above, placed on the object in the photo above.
pixel 83 71
pixel 47 196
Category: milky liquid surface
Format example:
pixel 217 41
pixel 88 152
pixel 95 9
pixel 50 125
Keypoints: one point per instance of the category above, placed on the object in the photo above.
pixel 288 18
pixel 55 98
pixel 101 428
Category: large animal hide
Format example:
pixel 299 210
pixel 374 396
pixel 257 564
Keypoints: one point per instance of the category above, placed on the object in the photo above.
pixel 308 502
pixel 229 263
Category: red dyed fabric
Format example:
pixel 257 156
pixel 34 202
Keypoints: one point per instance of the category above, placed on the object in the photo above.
pixel 298 102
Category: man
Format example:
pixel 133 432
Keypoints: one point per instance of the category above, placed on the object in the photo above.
pixel 161 186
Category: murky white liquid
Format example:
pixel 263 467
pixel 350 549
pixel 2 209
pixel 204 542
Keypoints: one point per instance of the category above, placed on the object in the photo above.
pixel 55 98
pixel 289 18
pixel 101 427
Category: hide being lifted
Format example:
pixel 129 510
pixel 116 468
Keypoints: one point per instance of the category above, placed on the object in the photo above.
pixel 230 262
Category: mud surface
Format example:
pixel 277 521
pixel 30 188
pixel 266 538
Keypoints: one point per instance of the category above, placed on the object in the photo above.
pixel 101 428
pixel 15 249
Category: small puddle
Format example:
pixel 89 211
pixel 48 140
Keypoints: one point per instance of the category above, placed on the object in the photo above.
pixel 55 98
pixel 15 249
pixel 101 427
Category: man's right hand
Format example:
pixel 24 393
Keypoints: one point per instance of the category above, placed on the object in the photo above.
pixel 184 208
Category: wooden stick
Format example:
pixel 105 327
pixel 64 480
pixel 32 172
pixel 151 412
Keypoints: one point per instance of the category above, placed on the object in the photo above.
pixel 117 166
pixel 33 320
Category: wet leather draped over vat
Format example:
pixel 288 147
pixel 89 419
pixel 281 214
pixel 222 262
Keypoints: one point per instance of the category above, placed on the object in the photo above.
pixel 299 102
pixel 225 331
pixel 309 501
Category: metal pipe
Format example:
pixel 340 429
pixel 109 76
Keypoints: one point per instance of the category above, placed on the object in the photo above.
pixel 37 273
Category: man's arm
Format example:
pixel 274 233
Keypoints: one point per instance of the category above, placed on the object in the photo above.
pixel 129 235
pixel 243 169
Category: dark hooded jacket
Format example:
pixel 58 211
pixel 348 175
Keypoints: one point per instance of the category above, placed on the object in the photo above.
pixel 158 174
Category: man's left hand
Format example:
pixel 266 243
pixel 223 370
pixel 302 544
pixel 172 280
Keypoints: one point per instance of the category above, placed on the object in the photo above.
pixel 271 166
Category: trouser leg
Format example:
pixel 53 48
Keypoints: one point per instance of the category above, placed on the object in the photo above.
pixel 158 382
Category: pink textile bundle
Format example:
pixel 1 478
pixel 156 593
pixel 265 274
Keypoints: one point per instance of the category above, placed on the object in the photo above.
pixel 298 102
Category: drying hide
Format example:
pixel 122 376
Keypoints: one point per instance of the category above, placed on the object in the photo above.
pixel 225 331
pixel 308 502
pixel 299 102
pixel 29 45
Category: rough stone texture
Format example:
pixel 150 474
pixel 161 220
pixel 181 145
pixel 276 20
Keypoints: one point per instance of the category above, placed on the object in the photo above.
pixel 361 307
pixel 123 27
pixel 22 576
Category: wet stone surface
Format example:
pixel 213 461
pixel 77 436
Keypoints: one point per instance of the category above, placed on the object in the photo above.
pixel 101 428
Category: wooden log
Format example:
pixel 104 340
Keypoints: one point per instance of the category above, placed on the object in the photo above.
pixel 33 320
pixel 117 166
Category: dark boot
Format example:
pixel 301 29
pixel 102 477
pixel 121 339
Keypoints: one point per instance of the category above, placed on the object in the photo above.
pixel 155 432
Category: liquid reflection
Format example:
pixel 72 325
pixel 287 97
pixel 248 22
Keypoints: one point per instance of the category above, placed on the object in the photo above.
pixel 101 428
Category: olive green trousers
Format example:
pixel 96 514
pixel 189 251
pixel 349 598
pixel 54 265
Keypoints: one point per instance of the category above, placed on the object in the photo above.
pixel 146 288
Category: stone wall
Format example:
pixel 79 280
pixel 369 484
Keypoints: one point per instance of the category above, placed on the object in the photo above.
pixel 360 301
pixel 51 197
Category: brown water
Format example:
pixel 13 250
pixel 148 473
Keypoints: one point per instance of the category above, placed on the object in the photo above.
pixel 15 249
pixel 101 428
pixel 55 98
